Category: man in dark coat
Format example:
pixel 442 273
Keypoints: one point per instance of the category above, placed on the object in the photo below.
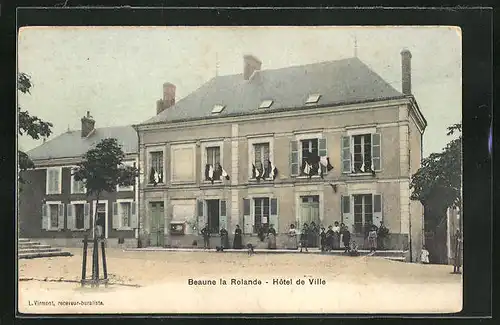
pixel 205 232
pixel 329 238
pixel 304 235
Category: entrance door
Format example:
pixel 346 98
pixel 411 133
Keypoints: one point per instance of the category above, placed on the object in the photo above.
pixel 157 233
pixel 309 210
pixel 213 216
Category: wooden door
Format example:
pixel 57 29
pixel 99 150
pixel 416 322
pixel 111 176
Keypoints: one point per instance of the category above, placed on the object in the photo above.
pixel 157 217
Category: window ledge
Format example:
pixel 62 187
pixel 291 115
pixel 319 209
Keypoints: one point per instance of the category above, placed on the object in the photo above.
pixel 126 189
pixel 53 229
pixel 79 230
pixel 304 177
pixel 125 228
pixel 153 185
pixel 210 182
pixel 359 174
pixel 53 193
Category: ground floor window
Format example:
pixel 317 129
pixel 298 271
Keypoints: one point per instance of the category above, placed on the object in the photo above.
pixel 363 212
pixel 125 209
pixel 261 212
pixel 54 215
pixel 79 216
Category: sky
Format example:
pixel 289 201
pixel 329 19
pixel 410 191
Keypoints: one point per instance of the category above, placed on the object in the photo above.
pixel 117 73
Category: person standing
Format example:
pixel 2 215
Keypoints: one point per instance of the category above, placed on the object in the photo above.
pixel 304 237
pixel 237 242
pixel 292 237
pixel 224 238
pixel 372 239
pixel 457 244
pixel 329 238
pixel 336 236
pixel 271 237
pixel 346 238
pixel 205 232
pixel 323 239
pixel 313 235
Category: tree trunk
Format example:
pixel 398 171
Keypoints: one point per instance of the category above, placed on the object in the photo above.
pixel 94 220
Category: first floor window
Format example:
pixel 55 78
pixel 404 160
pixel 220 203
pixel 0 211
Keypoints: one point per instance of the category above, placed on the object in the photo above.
pixel 53 180
pixel 79 216
pixel 261 212
pixel 261 158
pixel 363 212
pixel 309 148
pixel 156 170
pixel 362 153
pixel 213 163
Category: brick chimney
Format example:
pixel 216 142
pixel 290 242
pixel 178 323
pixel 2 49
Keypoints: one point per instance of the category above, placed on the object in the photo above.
pixel 88 124
pixel 168 98
pixel 250 65
pixel 406 71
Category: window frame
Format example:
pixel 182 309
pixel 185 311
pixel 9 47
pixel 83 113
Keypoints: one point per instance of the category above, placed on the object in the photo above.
pixel 351 133
pixel 149 151
pixel 306 136
pixel 119 208
pixel 73 190
pixel 48 180
pixel 191 145
pixel 251 152
pixel 130 188
pixel 312 98
pixel 73 203
pixel 204 158
pixel 49 225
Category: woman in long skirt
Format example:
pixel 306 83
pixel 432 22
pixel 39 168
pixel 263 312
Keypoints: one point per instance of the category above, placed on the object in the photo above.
pixel 329 238
pixel 237 243
pixel 271 238
pixel 292 238
pixel 224 238
pixel 336 236
pixel 304 236
pixel 313 235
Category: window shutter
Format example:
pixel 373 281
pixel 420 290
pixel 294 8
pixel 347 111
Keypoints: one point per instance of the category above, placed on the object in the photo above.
pixel 49 181
pixel 200 214
pixel 60 217
pixel 377 209
pixel 247 217
pixel 116 216
pixel 134 216
pixel 273 215
pixel 322 151
pixel 45 216
pixel 148 168
pixel 86 216
pixel 347 216
pixel 294 158
pixel 223 214
pixel 346 154
pixel 56 181
pixel 70 216
pixel 377 151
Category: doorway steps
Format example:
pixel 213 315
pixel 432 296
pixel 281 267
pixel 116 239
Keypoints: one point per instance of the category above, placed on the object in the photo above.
pixel 27 248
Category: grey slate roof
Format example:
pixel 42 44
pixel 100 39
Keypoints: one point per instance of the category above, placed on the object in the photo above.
pixel 342 81
pixel 71 144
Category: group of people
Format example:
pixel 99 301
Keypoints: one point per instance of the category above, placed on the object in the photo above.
pixel 314 236
pixel 238 240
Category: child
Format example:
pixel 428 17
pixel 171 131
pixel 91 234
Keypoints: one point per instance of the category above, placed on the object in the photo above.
pixel 354 249
pixel 323 239
pixel 372 239
pixel 424 256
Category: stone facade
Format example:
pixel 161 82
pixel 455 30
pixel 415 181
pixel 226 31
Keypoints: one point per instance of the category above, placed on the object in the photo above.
pixel 184 144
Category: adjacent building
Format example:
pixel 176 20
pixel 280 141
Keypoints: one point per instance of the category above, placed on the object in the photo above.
pixel 53 207
pixel 237 152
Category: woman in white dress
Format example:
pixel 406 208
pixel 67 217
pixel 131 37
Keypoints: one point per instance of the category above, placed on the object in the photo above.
pixel 292 238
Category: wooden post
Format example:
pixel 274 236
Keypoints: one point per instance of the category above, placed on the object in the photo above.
pixel 84 262
pixel 104 266
pixel 95 261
